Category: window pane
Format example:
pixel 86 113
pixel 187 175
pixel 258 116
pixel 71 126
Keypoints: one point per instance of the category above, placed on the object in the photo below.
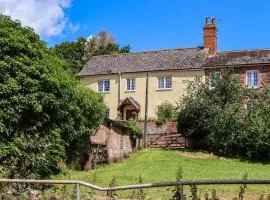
pixel 106 85
pixel 252 78
pixel 255 79
pixel 100 86
pixel 215 77
pixel 128 84
pixel 133 84
pixel 168 82
pixel 161 82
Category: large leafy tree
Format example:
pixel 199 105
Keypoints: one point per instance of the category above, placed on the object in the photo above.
pixel 78 52
pixel 73 53
pixel 103 44
pixel 44 112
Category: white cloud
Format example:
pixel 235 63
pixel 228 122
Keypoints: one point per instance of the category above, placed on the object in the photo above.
pixel 46 17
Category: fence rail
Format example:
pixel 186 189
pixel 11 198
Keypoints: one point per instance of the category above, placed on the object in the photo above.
pixel 132 187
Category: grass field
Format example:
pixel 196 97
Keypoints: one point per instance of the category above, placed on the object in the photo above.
pixel 161 165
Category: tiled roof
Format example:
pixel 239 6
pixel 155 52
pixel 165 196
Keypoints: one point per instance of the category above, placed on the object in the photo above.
pixel 174 59
pixel 236 58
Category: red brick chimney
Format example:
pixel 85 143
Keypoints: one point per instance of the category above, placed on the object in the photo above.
pixel 210 36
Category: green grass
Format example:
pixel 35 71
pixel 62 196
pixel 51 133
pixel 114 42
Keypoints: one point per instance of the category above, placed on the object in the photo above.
pixel 161 166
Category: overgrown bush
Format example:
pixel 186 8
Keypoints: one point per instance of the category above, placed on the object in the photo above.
pixel 135 130
pixel 166 112
pixel 131 125
pixel 44 111
pixel 228 119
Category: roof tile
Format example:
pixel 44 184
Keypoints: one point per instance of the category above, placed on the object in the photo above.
pixel 174 59
pixel 236 58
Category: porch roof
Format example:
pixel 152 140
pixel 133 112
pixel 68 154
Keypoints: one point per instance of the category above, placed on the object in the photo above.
pixel 129 101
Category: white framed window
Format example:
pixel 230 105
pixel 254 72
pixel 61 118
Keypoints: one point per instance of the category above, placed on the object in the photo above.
pixel 104 86
pixel 214 79
pixel 131 84
pixel 252 78
pixel 164 82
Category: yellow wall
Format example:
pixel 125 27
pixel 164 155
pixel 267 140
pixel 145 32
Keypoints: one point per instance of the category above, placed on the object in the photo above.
pixel 155 97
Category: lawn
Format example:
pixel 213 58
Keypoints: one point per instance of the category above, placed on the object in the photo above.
pixel 161 165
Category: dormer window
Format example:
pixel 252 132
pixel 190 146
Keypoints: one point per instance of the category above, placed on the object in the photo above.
pixel 252 79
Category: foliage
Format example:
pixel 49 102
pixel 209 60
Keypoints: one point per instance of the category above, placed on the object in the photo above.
pixel 44 112
pixel 111 194
pixel 103 44
pixel 135 130
pixel 243 187
pixel 72 52
pixel 77 53
pixel 139 194
pixel 177 191
pixel 217 119
pixel 166 112
pixel 193 192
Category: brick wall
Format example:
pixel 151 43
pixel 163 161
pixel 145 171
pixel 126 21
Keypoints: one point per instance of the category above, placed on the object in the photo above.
pixel 154 128
pixel 264 74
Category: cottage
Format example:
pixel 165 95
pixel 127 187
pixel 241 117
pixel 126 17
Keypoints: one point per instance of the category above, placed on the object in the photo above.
pixel 136 84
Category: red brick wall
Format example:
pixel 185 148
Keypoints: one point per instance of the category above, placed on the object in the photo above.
pixel 264 74
pixel 154 128
pixel 210 38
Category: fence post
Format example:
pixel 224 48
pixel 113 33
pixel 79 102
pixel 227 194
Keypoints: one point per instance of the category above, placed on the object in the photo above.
pixel 182 192
pixel 78 193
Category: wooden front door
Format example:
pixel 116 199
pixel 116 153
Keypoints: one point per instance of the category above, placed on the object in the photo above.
pixel 130 114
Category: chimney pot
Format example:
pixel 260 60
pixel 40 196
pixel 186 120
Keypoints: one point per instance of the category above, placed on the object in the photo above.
pixel 207 20
pixel 213 20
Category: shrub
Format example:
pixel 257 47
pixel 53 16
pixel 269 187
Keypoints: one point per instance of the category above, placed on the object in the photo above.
pixel 166 112
pixel 135 130
pixel 217 118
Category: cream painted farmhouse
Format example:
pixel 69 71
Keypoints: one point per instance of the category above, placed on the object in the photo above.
pixel 136 84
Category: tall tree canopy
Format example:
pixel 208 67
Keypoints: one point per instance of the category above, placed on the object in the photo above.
pixel 78 52
pixel 103 44
pixel 44 112
pixel 73 53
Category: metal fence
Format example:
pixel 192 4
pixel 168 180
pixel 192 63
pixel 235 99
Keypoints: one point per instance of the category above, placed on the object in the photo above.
pixel 79 184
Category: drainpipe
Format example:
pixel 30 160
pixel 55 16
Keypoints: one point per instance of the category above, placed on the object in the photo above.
pixel 119 88
pixel 145 112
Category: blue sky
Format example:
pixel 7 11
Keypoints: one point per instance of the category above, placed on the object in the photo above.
pixel 161 24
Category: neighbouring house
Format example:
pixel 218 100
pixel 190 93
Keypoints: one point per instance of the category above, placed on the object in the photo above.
pixel 135 84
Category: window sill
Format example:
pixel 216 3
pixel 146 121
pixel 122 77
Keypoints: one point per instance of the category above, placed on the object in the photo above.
pixel 104 92
pixel 248 87
pixel 164 89
pixel 130 91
